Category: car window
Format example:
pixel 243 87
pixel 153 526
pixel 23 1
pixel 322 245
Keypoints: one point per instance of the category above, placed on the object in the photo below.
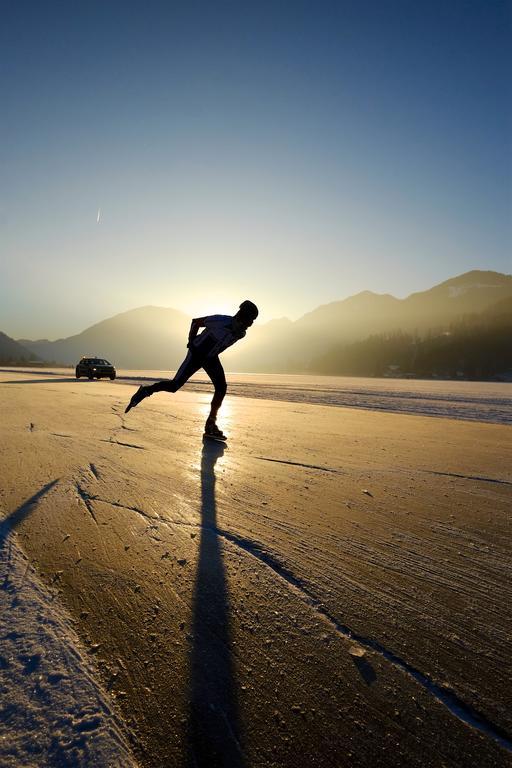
pixel 94 361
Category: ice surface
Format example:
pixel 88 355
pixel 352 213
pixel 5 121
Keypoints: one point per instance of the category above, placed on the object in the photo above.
pixel 52 710
pixel 469 400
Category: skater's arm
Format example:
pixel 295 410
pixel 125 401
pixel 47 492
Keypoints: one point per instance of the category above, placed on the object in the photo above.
pixel 195 325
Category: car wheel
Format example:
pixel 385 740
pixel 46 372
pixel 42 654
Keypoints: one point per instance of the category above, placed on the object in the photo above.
pixel 91 376
pixel 112 378
pixel 77 374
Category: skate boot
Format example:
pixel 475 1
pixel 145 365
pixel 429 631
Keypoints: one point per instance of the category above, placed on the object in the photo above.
pixel 140 394
pixel 212 431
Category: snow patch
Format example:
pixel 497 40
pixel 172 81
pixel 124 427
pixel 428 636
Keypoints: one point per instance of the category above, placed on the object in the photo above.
pixel 460 290
pixel 52 709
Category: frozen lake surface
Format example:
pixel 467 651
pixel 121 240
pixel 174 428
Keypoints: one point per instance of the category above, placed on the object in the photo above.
pixel 470 400
pixel 348 566
pixel 476 401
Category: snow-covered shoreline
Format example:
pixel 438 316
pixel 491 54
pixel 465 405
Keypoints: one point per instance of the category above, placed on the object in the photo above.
pixel 53 709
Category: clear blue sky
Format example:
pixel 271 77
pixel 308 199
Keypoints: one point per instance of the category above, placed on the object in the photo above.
pixel 290 152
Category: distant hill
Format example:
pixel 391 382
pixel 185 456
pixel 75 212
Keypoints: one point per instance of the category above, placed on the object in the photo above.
pixel 12 351
pixel 369 312
pixel 147 337
pixel 291 347
pixel 155 337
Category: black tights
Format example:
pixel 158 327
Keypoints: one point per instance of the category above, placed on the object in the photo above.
pixel 189 366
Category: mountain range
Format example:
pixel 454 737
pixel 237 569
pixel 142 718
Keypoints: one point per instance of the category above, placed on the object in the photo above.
pixel 11 350
pixel 155 337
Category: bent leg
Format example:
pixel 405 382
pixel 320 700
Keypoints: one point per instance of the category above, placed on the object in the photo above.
pixel 215 371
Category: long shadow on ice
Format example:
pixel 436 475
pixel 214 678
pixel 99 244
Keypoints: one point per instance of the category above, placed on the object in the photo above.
pixel 214 728
pixel 23 511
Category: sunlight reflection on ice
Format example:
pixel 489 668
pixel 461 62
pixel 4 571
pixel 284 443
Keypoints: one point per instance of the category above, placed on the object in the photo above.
pixel 225 413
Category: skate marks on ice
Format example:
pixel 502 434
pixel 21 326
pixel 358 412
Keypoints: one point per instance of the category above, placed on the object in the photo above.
pixel 214 718
pixel 124 445
pixel 54 712
pixel 498 481
pixel 94 471
pixel 114 437
pixel 476 478
pixel 442 694
pixel 299 464
pixel 33 427
pixel 81 484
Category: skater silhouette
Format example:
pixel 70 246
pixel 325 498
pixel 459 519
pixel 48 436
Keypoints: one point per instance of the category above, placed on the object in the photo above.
pixel 220 332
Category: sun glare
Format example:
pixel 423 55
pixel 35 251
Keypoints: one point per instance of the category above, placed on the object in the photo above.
pixel 226 415
pixel 213 304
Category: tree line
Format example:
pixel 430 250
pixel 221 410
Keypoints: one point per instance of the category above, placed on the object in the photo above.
pixel 474 347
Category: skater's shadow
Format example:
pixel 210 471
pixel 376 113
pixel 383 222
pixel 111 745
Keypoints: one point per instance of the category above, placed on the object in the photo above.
pixel 9 523
pixel 7 527
pixel 214 727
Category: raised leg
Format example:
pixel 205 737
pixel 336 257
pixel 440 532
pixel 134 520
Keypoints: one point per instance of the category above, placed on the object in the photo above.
pixel 188 367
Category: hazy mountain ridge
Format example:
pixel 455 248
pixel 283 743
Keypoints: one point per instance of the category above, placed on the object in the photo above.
pixel 155 337
pixel 146 337
pixel 470 292
pixel 477 345
pixel 11 350
pixel 294 348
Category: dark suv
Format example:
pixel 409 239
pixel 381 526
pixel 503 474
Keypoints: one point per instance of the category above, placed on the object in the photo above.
pixel 95 368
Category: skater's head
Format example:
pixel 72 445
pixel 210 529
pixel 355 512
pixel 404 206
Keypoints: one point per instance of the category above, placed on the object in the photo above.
pixel 247 313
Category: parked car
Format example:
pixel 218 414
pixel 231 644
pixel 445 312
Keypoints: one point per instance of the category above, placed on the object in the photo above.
pixel 95 368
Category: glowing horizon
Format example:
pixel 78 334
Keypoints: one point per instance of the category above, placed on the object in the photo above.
pixel 295 155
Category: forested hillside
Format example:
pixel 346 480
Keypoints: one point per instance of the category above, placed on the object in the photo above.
pixel 476 346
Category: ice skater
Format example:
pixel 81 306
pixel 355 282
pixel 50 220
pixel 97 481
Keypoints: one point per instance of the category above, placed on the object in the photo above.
pixel 220 332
